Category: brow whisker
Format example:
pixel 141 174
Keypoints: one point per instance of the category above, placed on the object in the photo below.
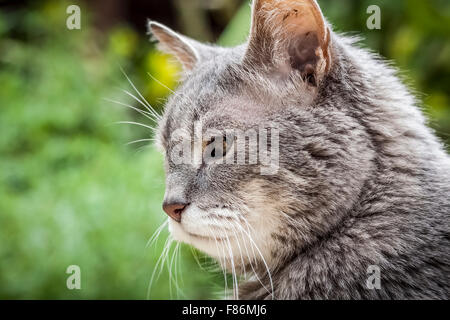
pixel 173 92
pixel 142 112
pixel 149 107
pixel 151 112
pixel 159 82
pixel 138 141
pixel 136 123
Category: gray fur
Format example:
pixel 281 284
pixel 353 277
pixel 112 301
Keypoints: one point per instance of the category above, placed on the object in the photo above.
pixel 362 178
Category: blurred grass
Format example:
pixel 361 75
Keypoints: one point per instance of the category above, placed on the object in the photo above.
pixel 72 192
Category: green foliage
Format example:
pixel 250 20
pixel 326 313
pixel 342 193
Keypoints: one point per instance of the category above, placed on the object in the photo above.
pixel 238 29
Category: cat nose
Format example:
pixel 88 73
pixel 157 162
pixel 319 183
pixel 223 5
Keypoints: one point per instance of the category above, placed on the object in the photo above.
pixel 174 210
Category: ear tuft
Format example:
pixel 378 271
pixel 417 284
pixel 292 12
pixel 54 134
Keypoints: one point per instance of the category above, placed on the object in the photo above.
pixel 174 44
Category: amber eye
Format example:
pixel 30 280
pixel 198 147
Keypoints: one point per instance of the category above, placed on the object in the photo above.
pixel 213 149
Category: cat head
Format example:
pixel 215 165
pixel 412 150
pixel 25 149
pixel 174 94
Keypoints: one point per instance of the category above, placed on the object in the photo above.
pixel 262 154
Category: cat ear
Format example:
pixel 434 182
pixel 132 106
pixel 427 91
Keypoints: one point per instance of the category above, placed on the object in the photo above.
pixel 290 35
pixel 170 42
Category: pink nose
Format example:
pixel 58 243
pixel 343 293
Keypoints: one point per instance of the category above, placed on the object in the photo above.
pixel 174 210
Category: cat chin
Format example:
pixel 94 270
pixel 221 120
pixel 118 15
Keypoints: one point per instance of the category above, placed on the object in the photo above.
pixel 216 248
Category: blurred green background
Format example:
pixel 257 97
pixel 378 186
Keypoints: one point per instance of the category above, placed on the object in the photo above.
pixel 73 192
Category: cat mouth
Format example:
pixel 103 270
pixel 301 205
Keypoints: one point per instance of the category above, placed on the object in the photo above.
pixel 207 238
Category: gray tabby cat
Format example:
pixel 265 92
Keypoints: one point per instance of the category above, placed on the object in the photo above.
pixel 362 182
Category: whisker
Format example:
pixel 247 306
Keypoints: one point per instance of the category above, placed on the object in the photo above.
pixel 249 231
pixel 159 82
pixel 144 113
pixel 149 107
pixel 143 148
pixel 156 234
pixel 251 264
pixel 169 269
pixel 246 249
pixel 223 266
pixel 145 105
pixel 173 92
pixel 154 270
pixel 140 140
pixel 263 260
pixel 178 270
pixel 195 255
pixel 237 242
pixel 158 262
pixel 233 269
pixel 177 288
pixel 211 267
pixel 137 124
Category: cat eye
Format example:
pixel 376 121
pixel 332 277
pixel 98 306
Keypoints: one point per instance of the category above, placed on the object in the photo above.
pixel 213 149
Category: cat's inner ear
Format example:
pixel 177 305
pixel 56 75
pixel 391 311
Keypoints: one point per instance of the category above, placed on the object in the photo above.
pixel 172 43
pixel 290 35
